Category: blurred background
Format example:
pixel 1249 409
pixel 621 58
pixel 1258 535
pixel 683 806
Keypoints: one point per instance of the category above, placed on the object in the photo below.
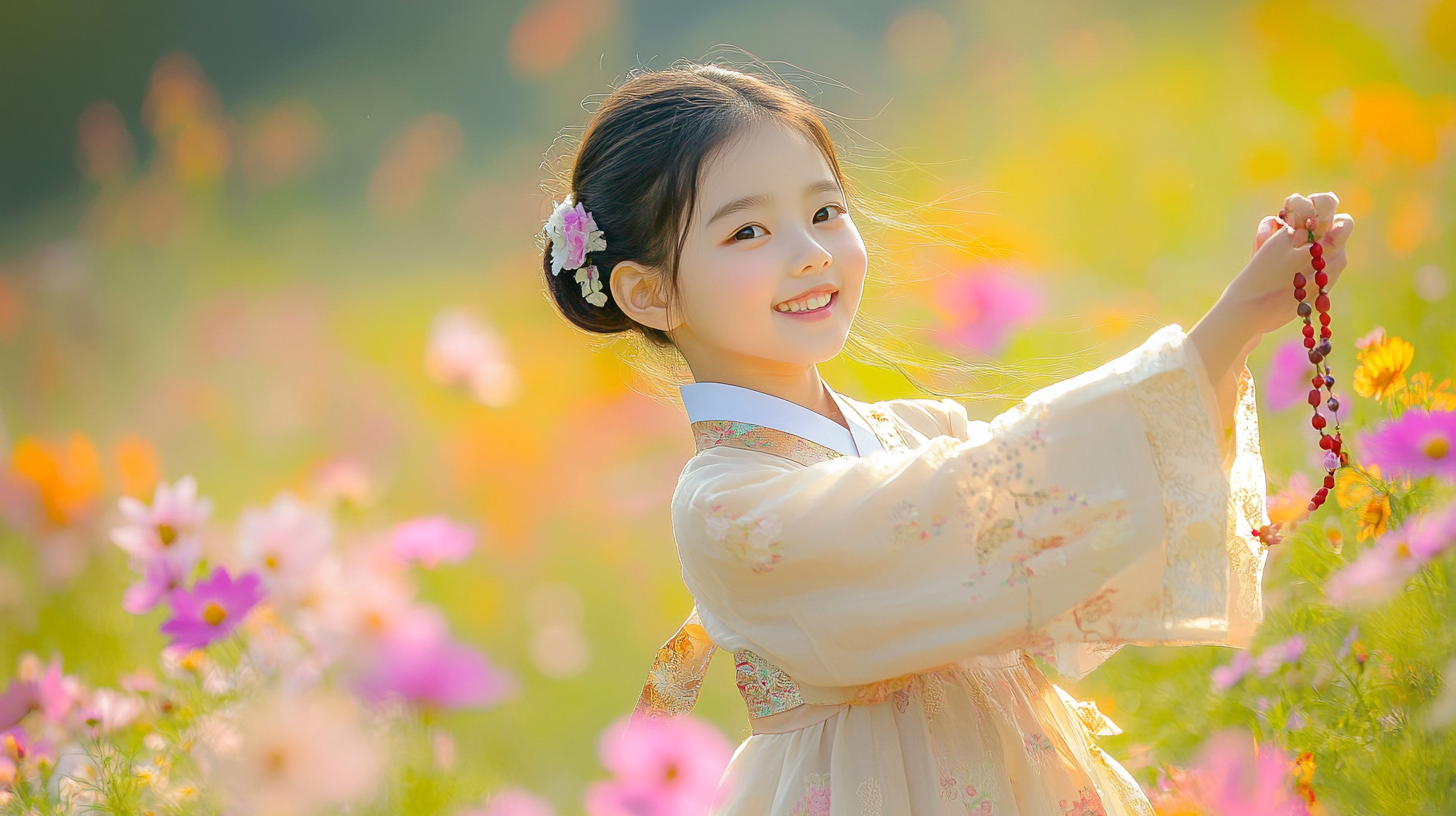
pixel 292 246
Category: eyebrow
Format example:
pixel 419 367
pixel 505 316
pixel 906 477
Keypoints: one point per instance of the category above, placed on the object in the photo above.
pixel 761 199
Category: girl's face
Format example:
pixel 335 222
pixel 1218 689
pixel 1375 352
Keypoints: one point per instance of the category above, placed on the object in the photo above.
pixel 772 268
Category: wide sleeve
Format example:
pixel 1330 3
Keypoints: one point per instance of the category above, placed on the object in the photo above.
pixel 1107 509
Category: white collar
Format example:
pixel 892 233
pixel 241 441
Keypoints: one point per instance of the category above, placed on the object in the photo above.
pixel 709 401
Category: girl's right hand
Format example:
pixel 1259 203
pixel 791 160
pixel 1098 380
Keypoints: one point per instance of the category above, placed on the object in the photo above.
pixel 1263 292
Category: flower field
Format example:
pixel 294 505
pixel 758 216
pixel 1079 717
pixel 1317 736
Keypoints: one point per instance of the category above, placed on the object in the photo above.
pixel 309 503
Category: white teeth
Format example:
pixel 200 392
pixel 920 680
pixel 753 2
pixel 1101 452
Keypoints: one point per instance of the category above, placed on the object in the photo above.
pixel 816 302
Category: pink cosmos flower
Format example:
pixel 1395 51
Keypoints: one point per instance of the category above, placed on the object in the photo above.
pixel 162 575
pixel 431 540
pixel 1383 569
pixel 465 351
pixel 427 668
pixel 512 801
pixel 983 307
pixel 48 691
pixel 1420 443
pixel 168 528
pixel 1225 677
pixel 1233 777
pixel 661 767
pixel 1287 381
pixel 213 608
pixel 286 543
pixel 1280 654
pixel 296 754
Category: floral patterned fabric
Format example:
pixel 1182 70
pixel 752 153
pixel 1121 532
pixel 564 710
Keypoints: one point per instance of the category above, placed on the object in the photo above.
pixel 905 589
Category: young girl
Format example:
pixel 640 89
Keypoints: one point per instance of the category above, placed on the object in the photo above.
pixel 882 572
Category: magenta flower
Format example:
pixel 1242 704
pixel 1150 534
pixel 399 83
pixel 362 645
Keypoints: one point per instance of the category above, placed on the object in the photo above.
pixel 426 668
pixel 1225 677
pixel 213 608
pixel 431 540
pixel 1287 382
pixel 161 577
pixel 982 308
pixel 661 767
pixel 1280 654
pixel 1420 443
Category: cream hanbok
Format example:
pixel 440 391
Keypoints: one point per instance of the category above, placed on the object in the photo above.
pixel 883 587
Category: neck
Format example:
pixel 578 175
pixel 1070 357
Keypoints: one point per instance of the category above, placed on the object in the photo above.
pixel 800 385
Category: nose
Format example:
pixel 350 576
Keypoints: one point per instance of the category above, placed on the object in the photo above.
pixel 816 257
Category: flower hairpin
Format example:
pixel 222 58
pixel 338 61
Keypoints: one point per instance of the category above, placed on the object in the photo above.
pixel 573 233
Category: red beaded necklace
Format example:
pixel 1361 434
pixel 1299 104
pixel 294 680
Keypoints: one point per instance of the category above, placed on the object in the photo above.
pixel 1319 352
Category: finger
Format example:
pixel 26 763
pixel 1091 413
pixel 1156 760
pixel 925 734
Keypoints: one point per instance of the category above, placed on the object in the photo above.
pixel 1325 205
pixel 1339 232
pixel 1267 226
pixel 1298 213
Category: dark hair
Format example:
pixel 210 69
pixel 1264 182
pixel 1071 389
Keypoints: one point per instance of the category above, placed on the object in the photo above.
pixel 637 167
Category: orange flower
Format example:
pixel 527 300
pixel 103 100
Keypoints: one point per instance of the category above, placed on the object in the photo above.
pixel 1382 365
pixel 1420 393
pixel 67 476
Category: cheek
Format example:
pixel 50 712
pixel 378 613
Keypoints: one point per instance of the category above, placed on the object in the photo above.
pixel 721 297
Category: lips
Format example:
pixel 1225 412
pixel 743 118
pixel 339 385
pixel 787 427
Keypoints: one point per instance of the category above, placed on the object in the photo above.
pixel 809 301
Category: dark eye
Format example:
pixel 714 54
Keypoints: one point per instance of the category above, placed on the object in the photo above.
pixel 825 207
pixel 746 229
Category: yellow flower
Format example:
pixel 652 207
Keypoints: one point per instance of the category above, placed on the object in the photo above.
pixel 1420 393
pixel 1382 366
pixel 1362 491
pixel 1373 517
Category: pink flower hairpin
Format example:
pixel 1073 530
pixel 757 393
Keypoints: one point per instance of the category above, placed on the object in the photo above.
pixel 573 233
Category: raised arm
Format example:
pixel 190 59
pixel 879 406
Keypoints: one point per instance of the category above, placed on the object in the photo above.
pixel 1259 299
pixel 1101 510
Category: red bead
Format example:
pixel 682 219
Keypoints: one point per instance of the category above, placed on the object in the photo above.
pixel 1317 421
pixel 1313 507
pixel 1322 279
pixel 1317 380
pixel 1326 441
pixel 1308 330
pixel 1299 280
pixel 1314 398
pixel 1317 262
pixel 1324 332
pixel 1316 250
pixel 1322 492
pixel 1309 342
pixel 1322 303
pixel 1330 482
pixel 1324 318
pixel 1299 294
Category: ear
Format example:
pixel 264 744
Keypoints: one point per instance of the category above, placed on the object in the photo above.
pixel 641 293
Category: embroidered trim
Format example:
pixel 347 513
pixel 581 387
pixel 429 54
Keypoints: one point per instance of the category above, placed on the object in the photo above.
pixel 747 436
pixel 766 689
pixel 677 672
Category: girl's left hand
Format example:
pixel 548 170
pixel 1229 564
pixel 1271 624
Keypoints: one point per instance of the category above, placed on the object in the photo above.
pixel 1262 293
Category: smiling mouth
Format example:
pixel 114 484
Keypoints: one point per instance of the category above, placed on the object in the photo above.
pixel 808 303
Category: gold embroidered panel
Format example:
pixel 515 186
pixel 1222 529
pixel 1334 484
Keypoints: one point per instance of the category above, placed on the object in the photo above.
pixel 744 435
